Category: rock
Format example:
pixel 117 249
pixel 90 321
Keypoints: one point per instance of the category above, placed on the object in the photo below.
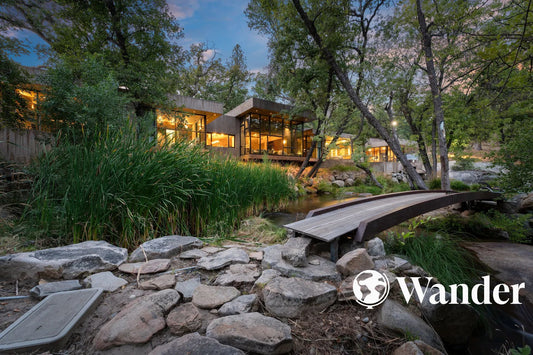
pixel 106 281
pixel 238 274
pixel 66 262
pixel 354 262
pixel 415 271
pixel 224 258
pixel 193 254
pixel 375 247
pixel 338 183
pixel 149 267
pixel 345 291
pixel 266 277
pixel 295 251
pixel 213 296
pixel 241 304
pixel 252 332
pixel 349 182
pixel 416 347
pixel 186 288
pixel 454 323
pixel 526 205
pixel 138 321
pixel 195 344
pixel 211 250
pixel 165 247
pixel 47 289
pixel 290 297
pixel 391 262
pixel 184 319
pixel 324 270
pixel 256 255
pixel 397 318
pixel 159 283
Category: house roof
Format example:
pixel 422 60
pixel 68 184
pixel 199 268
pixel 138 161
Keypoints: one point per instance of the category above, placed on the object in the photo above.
pixel 211 109
pixel 378 142
pixel 265 107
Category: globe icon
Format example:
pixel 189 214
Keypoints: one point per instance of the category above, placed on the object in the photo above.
pixel 370 288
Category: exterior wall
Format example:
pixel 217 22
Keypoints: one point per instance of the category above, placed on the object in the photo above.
pixel 21 146
pixel 198 104
pixel 227 125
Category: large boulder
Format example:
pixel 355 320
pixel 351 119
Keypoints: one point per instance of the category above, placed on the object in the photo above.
pixel 138 321
pixel 224 258
pixel 252 332
pixel 317 268
pixel 338 183
pixel 399 319
pixel 164 247
pixel 295 251
pixel 526 204
pixel 454 323
pixel 209 297
pixel 375 247
pixel 355 261
pixel 68 262
pixel 194 343
pixel 266 276
pixel 290 297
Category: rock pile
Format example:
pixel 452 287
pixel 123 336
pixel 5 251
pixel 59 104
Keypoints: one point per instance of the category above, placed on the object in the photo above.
pixel 232 303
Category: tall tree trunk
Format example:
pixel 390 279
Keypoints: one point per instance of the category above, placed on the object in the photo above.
pixel 437 100
pixel 371 176
pixel 356 99
pixel 434 148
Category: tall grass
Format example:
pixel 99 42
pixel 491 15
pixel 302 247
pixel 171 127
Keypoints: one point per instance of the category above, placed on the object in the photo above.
pixel 126 190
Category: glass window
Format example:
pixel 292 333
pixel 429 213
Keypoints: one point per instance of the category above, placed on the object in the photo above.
pixel 221 140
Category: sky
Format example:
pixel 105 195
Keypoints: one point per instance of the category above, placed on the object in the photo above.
pixel 220 23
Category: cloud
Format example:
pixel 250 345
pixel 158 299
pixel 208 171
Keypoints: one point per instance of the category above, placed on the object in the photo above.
pixel 183 9
pixel 11 33
pixel 208 54
pixel 262 70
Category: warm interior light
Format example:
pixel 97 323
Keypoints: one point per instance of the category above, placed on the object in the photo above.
pixel 215 142
pixel 394 123
pixel 284 141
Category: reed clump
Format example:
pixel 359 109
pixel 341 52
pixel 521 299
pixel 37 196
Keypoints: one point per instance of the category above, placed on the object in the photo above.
pixel 126 190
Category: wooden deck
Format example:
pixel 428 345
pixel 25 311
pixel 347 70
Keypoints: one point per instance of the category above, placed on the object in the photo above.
pixel 367 216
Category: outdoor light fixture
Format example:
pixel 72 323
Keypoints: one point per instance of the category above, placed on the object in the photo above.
pixel 394 123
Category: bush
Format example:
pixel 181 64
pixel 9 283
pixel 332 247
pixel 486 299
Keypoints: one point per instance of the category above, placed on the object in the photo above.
pixel 441 256
pixel 126 190
pixel 456 185
pixel 462 164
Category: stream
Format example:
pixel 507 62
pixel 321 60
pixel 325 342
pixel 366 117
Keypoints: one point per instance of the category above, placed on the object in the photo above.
pixel 506 327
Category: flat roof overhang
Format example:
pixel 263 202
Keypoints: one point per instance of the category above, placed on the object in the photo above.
pixel 269 108
pixel 210 109
pixel 247 157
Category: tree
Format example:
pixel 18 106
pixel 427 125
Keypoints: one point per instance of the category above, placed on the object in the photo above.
pixel 234 88
pixel 13 107
pixel 136 40
pixel 362 14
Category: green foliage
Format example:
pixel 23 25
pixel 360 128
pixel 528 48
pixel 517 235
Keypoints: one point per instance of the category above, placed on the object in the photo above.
pixel 515 156
pixel 456 185
pixel 343 168
pixel 463 163
pixel 483 225
pixel 83 99
pixel 125 190
pixel 441 256
pixel 526 350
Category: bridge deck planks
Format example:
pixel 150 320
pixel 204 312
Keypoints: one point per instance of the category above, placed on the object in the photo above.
pixel 331 225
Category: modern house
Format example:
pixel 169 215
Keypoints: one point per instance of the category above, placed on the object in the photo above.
pixel 254 129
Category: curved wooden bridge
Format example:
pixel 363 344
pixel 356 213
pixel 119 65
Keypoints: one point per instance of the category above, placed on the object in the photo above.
pixel 365 217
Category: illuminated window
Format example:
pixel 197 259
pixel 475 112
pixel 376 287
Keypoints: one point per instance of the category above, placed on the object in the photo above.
pixel 180 125
pixel 220 140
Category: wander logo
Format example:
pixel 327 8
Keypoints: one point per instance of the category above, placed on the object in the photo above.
pixel 371 288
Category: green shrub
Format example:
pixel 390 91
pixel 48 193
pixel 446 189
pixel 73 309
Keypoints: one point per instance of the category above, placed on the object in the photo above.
pixel 434 184
pixel 126 190
pixel 457 185
pixel 462 164
pixel 441 256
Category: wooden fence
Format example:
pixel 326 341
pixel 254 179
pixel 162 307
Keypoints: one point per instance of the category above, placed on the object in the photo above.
pixel 22 146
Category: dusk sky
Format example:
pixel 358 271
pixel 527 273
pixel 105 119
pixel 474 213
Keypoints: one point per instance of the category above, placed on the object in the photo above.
pixel 221 23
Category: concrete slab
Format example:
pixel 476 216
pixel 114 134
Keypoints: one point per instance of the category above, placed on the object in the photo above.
pixel 49 323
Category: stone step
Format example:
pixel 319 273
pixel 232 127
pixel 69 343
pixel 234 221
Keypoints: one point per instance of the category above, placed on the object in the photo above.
pixel 49 322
